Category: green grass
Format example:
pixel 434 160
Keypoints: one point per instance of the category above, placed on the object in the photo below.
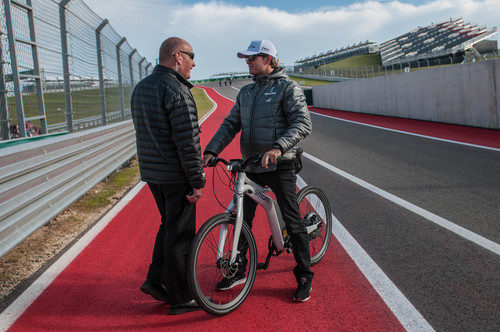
pixel 203 104
pixel 85 103
pixel 309 82
pixel 98 199
pixel 356 61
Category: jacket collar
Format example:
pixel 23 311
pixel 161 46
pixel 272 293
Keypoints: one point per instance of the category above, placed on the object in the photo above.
pixel 276 74
pixel 161 69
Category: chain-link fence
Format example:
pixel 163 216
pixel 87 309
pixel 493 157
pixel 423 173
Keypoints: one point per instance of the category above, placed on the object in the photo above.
pixel 63 68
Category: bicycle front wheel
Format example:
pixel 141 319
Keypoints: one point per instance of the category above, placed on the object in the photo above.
pixel 316 212
pixel 210 270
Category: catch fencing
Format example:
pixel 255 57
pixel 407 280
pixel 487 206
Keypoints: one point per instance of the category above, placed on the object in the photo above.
pixel 61 65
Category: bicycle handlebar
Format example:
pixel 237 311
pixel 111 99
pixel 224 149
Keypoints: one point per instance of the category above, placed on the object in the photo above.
pixel 235 165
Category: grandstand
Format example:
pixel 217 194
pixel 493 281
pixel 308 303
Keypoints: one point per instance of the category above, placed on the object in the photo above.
pixel 323 58
pixel 445 39
pixel 446 42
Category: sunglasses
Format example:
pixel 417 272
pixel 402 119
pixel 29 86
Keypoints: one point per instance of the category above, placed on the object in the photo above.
pixel 190 54
pixel 251 58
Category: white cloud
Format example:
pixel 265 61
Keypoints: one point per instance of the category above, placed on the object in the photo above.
pixel 218 30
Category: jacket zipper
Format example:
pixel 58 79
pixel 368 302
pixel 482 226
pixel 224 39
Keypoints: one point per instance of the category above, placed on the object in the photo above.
pixel 251 118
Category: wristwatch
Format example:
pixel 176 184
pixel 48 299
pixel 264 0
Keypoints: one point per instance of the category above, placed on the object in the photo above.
pixel 277 146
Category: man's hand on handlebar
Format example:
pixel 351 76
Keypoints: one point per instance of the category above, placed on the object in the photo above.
pixel 270 156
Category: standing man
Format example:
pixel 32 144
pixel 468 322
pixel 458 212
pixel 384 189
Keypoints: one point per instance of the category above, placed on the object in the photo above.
pixel 273 118
pixel 168 148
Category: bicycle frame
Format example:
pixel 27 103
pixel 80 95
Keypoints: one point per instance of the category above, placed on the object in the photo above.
pixel 245 186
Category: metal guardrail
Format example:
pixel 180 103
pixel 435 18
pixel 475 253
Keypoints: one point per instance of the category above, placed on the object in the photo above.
pixel 90 121
pixel 40 179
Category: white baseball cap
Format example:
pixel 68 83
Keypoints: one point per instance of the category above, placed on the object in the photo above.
pixel 259 46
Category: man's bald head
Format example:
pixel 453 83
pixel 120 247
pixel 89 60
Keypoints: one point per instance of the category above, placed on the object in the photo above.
pixel 169 47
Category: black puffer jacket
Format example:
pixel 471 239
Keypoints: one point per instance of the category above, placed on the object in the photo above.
pixel 167 131
pixel 271 111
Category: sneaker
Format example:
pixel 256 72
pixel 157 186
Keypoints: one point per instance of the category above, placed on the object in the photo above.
pixel 156 290
pixel 228 283
pixel 303 292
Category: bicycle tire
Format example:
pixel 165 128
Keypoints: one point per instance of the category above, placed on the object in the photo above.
pixel 313 202
pixel 200 274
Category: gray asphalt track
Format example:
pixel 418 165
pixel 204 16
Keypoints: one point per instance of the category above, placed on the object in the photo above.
pixel 451 281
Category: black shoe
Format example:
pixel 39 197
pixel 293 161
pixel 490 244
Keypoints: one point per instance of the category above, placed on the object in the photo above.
pixel 228 283
pixel 179 309
pixel 156 290
pixel 303 292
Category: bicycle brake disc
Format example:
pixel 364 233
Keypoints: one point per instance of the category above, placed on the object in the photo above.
pixel 311 219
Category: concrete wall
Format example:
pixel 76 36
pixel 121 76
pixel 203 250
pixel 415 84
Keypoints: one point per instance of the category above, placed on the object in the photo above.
pixel 466 94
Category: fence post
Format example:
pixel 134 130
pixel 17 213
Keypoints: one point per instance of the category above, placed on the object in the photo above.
pixel 99 67
pixel 147 68
pixel 36 67
pixel 120 81
pixel 141 76
pixel 130 66
pixel 65 63
pixel 4 114
pixel 15 73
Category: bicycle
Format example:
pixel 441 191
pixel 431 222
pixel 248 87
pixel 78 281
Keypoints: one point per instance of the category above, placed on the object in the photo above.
pixel 212 257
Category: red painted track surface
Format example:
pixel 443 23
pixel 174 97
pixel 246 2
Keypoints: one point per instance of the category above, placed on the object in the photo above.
pixel 99 290
pixel 464 134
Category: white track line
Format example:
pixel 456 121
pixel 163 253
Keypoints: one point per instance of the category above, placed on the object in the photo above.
pixel 402 308
pixel 408 133
pixel 214 107
pixel 465 233
pixel 235 88
pixel 16 308
pixel 404 311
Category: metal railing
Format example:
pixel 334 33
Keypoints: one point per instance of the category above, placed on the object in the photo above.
pixel 91 121
pixel 40 179
pixel 60 63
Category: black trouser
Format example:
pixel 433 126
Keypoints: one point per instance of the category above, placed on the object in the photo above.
pixel 283 184
pixel 177 230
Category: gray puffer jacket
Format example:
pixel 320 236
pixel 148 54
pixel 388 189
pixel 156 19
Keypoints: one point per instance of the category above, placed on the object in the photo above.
pixel 271 111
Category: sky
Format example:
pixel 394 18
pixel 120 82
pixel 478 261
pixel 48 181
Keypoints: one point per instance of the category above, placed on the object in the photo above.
pixel 217 30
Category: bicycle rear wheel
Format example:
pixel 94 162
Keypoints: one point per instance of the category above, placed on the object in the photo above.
pixel 316 212
pixel 207 266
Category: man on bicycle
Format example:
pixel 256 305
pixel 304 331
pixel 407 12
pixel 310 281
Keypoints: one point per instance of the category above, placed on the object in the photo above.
pixel 273 118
